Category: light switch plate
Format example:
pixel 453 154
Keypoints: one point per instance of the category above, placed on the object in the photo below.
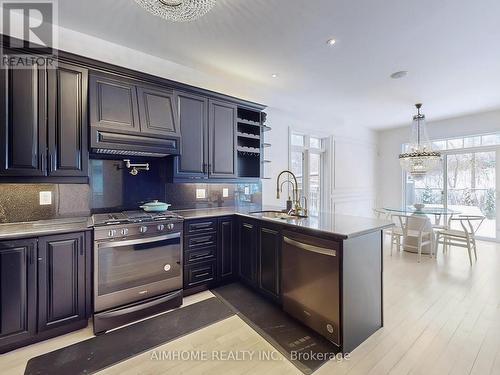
pixel 225 192
pixel 45 198
pixel 201 193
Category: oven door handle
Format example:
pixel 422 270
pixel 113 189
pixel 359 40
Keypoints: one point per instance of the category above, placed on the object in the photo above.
pixel 140 306
pixel 138 241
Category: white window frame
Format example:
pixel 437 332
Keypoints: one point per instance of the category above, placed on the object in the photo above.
pixel 326 164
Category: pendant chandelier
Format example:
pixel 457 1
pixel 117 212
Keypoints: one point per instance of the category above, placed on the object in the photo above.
pixel 419 158
pixel 177 10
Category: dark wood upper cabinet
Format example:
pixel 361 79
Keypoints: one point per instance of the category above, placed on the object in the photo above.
pixel 157 111
pixel 222 139
pixel 23 121
pixel 269 258
pixel 17 292
pixel 61 280
pixel 113 103
pixel 68 124
pixel 193 121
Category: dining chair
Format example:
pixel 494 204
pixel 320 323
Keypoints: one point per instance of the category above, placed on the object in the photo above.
pixel 416 226
pixel 464 237
pixel 396 233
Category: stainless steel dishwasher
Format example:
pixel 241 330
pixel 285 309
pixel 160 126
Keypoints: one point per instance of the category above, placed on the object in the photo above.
pixel 310 283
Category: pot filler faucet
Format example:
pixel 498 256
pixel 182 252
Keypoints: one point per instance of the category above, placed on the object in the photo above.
pixel 297 209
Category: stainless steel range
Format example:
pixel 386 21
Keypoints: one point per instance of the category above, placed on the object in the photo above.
pixel 137 266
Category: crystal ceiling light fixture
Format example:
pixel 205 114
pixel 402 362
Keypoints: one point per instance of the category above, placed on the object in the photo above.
pixel 419 159
pixel 178 10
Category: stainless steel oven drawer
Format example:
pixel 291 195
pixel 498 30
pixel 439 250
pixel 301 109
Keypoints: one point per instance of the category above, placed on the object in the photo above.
pixel 194 256
pixel 200 273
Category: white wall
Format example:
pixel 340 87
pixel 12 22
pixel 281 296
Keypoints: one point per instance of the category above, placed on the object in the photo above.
pixel 354 183
pixel 389 175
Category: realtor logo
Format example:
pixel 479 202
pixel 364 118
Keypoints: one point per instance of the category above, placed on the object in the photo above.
pixel 30 26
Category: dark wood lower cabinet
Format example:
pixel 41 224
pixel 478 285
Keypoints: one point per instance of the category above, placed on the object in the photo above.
pixel 17 292
pixel 248 251
pixel 269 261
pixel 61 280
pixel 44 288
pixel 227 254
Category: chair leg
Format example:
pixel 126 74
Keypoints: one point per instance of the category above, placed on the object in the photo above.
pixel 392 242
pixel 469 251
pixel 475 248
pixel 419 246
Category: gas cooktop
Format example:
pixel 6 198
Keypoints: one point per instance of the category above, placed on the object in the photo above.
pixel 130 217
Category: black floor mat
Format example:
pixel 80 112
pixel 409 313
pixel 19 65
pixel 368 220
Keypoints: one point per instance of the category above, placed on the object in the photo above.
pixel 306 349
pixel 103 351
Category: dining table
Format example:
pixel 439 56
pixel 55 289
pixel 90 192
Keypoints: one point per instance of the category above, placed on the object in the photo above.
pixel 440 214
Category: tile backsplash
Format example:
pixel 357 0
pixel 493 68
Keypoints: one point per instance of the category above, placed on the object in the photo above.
pixel 21 202
pixel 112 188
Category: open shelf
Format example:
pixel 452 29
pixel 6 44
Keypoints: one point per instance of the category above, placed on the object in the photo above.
pixel 252 150
pixel 248 135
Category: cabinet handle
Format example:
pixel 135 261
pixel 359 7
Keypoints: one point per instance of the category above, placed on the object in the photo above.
pixel 44 162
pixel 204 168
pixel 202 255
pixel 31 255
pixel 202 274
pixel 50 166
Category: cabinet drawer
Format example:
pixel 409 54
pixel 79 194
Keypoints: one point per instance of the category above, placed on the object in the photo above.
pixel 201 226
pixel 197 274
pixel 195 242
pixel 197 255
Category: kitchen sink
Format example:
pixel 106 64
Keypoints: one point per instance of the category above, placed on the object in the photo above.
pixel 274 215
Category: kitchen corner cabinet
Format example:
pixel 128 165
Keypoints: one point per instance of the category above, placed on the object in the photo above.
pixel 18 292
pixel 44 122
pixel 227 254
pixel 269 261
pixel 259 256
pixel 208 141
pixel 247 239
pixel 44 288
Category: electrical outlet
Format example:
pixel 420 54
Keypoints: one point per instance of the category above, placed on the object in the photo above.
pixel 225 192
pixel 201 193
pixel 45 198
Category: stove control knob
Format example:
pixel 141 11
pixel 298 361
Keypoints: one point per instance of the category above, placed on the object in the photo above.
pixel 143 229
pixel 112 233
pixel 124 231
pixel 160 227
pixel 170 226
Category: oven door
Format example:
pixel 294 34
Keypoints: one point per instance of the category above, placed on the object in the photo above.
pixel 133 269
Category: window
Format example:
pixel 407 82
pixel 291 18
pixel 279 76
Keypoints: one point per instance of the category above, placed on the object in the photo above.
pixel 309 162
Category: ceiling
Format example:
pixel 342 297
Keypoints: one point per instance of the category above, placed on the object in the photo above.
pixel 450 49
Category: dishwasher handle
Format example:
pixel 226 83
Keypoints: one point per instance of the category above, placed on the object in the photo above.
pixel 312 248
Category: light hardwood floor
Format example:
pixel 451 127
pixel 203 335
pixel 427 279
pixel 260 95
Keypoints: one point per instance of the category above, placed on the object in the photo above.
pixel 441 317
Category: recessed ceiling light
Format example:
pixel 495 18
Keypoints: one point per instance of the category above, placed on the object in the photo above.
pixel 274 75
pixel 400 74
pixel 331 42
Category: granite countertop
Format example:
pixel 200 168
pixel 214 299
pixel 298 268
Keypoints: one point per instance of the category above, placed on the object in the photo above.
pixel 342 226
pixel 44 227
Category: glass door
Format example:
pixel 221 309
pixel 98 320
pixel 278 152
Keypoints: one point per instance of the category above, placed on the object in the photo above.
pixel 471 187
